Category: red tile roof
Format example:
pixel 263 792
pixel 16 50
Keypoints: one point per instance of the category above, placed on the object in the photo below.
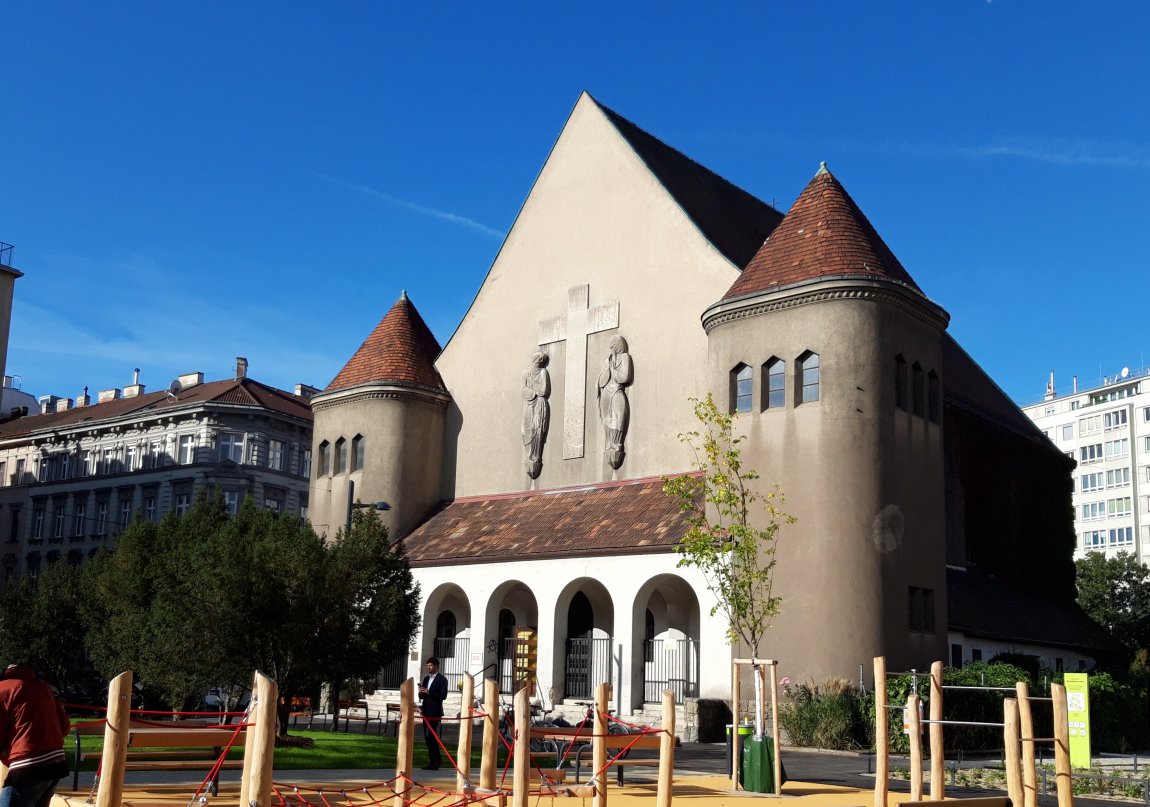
pixel 823 235
pixel 629 517
pixel 401 349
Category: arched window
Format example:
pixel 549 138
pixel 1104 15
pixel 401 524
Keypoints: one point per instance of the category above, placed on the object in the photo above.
pixel 775 383
pixel 741 388
pixel 324 465
pixel 917 391
pixel 900 383
pixel 445 634
pixel 934 397
pixel 357 453
pixel 808 375
pixel 340 455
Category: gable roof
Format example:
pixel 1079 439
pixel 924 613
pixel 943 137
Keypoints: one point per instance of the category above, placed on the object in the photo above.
pixel 401 350
pixel 734 221
pixel 824 234
pixel 630 517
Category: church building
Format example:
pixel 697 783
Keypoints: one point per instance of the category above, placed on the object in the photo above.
pixel 523 460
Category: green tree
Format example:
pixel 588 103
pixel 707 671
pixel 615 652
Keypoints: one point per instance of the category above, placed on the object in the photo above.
pixel 1115 593
pixel 40 623
pixel 732 530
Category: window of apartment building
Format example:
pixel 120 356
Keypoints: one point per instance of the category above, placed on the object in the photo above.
pixel 1090 453
pixel 357 452
pixel 1094 539
pixel 231 447
pixel 976 654
pixel 921 609
pixel 276 455
pixel 187 450
pixel 183 502
pixel 1093 511
pixel 58 521
pixel 1089 425
pixel 303 502
pixel 741 388
pixel 1122 506
pixel 3 473
pixel 324 459
pixel 37 523
pixel 83 467
pixel 1146 414
pixel 1116 449
pixel 111 461
pixel 305 463
pixel 1123 536
pixel 155 457
pixel 79 517
pixel 1092 482
pixel 32 565
pixel 1146 444
pixel 1068 432
pixel 1118 478
pixel 150 507
pixel 1048 411
pixel 65 466
pixel 1115 420
pixel 125 513
pixel 131 458
pixel 21 464
pixel 901 384
pixel 101 517
pixel 274 499
pixel 232 501
pixel 14 523
pixel 1074 406
pixel 774 375
pixel 808 371
pixel 340 455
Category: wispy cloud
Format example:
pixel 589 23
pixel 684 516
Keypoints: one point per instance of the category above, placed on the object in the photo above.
pixel 1068 152
pixel 443 215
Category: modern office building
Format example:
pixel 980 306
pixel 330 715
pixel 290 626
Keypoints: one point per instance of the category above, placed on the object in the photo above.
pixel 74 475
pixel 1106 430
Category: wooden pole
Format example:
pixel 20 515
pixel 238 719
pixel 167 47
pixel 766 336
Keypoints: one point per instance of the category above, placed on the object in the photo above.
pixel 263 742
pixel 1061 747
pixel 246 776
pixel 599 745
pixel 1026 729
pixel 115 753
pixel 736 740
pixel 405 737
pixel 490 760
pixel 915 726
pixel 1011 751
pixel 778 750
pixel 881 734
pixel 463 751
pixel 937 753
pixel 666 751
pixel 521 783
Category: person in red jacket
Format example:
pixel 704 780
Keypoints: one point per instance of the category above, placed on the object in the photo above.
pixel 32 729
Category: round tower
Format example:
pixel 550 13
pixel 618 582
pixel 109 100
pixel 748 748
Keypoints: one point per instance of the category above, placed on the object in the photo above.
pixel 379 425
pixel 832 357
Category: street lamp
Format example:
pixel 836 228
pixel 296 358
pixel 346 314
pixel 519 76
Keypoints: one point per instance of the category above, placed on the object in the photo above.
pixel 353 505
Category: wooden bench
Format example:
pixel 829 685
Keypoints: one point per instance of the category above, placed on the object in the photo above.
pixel 179 745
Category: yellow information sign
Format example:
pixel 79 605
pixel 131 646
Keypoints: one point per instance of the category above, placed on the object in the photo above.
pixel 1078 715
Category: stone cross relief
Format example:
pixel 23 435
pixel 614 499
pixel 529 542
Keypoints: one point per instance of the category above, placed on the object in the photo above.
pixel 574 327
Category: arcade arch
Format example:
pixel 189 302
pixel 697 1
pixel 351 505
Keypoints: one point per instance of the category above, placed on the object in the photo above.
pixel 585 621
pixel 448 609
pixel 665 640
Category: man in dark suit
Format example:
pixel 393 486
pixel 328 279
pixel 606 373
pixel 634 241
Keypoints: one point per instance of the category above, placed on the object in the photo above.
pixel 432 693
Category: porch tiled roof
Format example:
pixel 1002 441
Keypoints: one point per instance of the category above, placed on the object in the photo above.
pixel 629 517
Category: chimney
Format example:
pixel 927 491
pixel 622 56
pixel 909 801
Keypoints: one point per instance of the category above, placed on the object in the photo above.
pixel 191 379
pixel 1049 396
pixel 1075 385
pixel 306 391
pixel 64 404
pixel 48 404
pixel 105 395
pixel 83 399
pixel 241 368
pixel 135 388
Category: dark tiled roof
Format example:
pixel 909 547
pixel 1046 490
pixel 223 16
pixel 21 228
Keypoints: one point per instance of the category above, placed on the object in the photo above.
pixel 734 221
pixel 824 234
pixel 612 518
pixel 401 350
pixel 979 604
pixel 244 392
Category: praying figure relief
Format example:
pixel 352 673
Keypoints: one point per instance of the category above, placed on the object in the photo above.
pixel 614 378
pixel 536 412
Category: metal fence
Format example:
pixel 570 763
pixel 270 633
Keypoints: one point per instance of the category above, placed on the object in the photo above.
pixel 587 662
pixel 670 664
pixel 452 654
pixel 394 674
pixel 5 254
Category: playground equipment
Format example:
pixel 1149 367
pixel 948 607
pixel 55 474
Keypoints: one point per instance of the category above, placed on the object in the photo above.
pixel 1017 732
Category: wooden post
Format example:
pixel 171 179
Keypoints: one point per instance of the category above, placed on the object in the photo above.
pixel 1026 729
pixel 736 744
pixel 490 759
pixel 114 756
pixel 521 783
pixel 937 753
pixel 262 739
pixel 915 726
pixel 246 776
pixel 778 755
pixel 405 748
pixel 463 750
pixel 1061 747
pixel 599 745
pixel 666 751
pixel 1011 751
pixel 881 734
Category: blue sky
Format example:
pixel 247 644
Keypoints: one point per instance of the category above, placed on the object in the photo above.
pixel 188 182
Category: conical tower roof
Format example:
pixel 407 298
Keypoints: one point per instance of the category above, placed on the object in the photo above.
pixel 401 350
pixel 824 235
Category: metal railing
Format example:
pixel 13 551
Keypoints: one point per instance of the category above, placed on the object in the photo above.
pixel 587 662
pixel 452 654
pixel 394 674
pixel 670 664
pixel 6 254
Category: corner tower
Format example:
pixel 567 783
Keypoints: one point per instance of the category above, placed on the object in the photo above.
pixel 379 427
pixel 832 356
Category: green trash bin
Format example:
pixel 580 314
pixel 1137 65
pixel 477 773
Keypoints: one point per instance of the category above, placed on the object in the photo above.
pixel 759 766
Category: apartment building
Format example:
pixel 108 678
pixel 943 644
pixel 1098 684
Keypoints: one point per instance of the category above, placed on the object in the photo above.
pixel 75 474
pixel 1106 430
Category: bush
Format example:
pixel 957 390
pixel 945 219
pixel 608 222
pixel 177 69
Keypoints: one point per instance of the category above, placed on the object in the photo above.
pixel 830 715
